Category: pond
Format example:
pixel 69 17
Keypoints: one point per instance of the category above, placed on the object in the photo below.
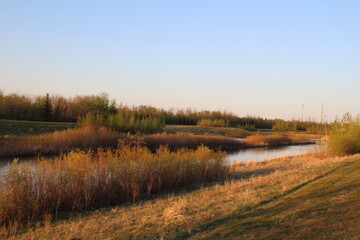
pixel 259 154
pixel 244 155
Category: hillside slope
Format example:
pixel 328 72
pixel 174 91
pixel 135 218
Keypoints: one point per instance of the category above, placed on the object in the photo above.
pixel 302 197
pixel 324 208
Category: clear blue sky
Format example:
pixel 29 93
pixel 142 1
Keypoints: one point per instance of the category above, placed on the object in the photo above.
pixel 262 58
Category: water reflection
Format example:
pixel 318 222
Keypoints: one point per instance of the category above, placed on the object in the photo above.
pixel 244 155
pixel 5 162
pixel 259 154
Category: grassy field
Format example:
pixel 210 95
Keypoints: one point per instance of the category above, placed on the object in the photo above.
pixel 302 197
pixel 18 128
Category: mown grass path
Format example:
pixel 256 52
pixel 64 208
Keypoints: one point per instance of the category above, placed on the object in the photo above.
pixel 324 208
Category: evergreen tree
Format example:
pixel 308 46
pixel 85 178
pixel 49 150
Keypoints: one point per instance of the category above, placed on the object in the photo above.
pixel 47 107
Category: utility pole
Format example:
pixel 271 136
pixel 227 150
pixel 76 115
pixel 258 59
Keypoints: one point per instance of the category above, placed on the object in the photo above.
pixel 322 113
pixel 302 112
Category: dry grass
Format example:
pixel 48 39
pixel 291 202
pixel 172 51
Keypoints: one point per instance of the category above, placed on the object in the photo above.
pixel 60 141
pixel 268 140
pixel 252 184
pixel 277 139
pixel 198 130
pixel 80 181
pixel 91 138
pixel 181 140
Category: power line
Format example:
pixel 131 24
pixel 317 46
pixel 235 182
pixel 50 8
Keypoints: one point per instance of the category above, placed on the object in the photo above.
pixel 302 112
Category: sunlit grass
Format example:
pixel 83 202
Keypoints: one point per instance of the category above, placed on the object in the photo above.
pixel 207 212
pixel 269 140
pixel 91 138
pixel 80 181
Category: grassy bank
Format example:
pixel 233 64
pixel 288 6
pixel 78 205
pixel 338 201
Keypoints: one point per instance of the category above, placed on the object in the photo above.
pixel 199 130
pixel 80 181
pixel 286 198
pixel 59 141
pixel 91 138
pixel 19 128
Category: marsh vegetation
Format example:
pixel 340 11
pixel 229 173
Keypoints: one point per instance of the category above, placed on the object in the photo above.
pixel 79 180
pixel 125 158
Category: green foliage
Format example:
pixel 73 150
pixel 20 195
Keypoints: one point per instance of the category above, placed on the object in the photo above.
pixel 246 126
pixel 308 126
pixel 47 107
pixel 124 122
pixel 285 126
pixel 55 108
pixel 21 107
pixel 345 136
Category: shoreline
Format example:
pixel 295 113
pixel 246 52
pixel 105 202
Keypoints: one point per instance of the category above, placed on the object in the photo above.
pixel 243 146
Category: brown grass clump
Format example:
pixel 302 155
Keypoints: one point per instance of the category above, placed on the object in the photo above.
pixel 268 140
pixel 79 180
pixel 181 140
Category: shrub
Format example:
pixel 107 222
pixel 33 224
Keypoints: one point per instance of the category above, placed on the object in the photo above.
pixel 124 122
pixel 345 136
pixel 268 140
pixel 213 123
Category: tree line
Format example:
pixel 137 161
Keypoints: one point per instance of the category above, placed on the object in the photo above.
pixel 61 109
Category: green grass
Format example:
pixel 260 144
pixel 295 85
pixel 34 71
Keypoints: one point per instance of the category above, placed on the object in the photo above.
pixel 19 128
pixel 323 208
pixel 198 130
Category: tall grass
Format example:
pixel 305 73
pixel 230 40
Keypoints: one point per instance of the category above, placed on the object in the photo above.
pixel 269 140
pixel 345 136
pixel 85 138
pixel 213 123
pixel 79 180
pixel 182 140
pixel 91 138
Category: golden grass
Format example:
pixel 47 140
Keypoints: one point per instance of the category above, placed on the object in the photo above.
pixel 268 140
pixel 60 141
pixel 183 140
pixel 80 181
pixel 178 215
pixel 91 138
pixel 197 130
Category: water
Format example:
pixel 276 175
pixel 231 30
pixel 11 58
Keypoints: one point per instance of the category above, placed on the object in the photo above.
pixel 259 154
pixel 243 155
pixel 5 162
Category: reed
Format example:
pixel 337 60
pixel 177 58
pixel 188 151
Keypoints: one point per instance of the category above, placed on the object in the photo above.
pixel 182 140
pixel 269 140
pixel 91 138
pixel 249 190
pixel 85 138
pixel 213 123
pixel 79 180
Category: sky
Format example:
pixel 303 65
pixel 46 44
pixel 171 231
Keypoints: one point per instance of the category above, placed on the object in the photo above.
pixel 261 57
